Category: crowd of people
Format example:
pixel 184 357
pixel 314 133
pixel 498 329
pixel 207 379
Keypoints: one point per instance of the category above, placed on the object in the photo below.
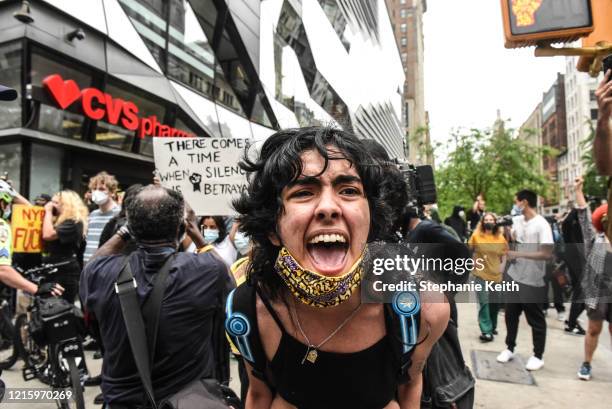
pixel 279 287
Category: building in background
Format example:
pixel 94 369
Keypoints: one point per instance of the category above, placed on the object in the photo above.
pixel 407 19
pixel 554 135
pixel 97 81
pixel 581 105
pixel 531 130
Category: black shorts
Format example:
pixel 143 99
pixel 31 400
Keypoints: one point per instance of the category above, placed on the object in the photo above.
pixel 603 312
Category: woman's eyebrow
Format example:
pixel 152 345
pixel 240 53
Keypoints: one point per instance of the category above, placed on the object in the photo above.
pixel 306 180
pixel 341 179
pixel 315 181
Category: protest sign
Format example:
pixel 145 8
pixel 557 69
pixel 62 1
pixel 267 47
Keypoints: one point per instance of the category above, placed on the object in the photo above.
pixel 26 224
pixel 204 170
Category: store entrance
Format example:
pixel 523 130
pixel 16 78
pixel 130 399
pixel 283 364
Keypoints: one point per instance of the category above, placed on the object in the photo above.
pixel 127 171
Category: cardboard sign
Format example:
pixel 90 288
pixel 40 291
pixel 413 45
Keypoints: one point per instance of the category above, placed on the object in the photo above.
pixel 26 225
pixel 204 170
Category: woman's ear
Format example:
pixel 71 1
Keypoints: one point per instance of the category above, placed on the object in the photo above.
pixel 274 239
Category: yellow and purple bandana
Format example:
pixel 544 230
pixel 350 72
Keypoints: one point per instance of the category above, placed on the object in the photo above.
pixel 313 288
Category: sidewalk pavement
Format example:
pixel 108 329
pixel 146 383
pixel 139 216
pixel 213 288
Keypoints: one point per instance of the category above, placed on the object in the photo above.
pixel 557 385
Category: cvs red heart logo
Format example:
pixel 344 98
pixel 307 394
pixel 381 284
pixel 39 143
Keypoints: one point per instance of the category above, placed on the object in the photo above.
pixel 64 92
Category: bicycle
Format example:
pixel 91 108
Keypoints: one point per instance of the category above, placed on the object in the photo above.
pixel 9 352
pixel 48 338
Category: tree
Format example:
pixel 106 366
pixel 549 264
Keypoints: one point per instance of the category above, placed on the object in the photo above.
pixel 494 162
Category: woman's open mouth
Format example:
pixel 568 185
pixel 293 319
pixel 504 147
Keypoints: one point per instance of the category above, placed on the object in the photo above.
pixel 328 252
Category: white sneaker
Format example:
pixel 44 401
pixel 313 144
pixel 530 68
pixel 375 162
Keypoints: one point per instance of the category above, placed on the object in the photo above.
pixel 561 316
pixel 533 364
pixel 505 356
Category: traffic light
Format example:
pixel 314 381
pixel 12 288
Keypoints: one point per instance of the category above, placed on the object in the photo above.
pixel 531 22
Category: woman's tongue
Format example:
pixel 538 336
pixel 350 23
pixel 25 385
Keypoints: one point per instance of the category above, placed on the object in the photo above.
pixel 328 257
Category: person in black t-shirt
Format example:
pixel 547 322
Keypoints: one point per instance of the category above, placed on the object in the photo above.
pixel 63 233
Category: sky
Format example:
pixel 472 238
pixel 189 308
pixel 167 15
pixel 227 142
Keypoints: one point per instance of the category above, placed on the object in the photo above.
pixel 469 74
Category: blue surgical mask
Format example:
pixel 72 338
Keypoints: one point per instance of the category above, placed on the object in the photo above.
pixel 516 210
pixel 210 235
pixel 241 242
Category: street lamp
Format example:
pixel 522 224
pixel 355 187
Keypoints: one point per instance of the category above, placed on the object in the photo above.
pixel 24 14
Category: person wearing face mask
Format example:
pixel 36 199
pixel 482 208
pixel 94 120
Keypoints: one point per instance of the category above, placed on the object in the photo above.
pixel 240 240
pixel 215 235
pixel 489 246
pixel 313 343
pixel 457 222
pixel 190 322
pixel 527 258
pixel 103 188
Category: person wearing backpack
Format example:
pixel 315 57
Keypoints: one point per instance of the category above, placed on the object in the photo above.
pixel 311 207
pixel 189 289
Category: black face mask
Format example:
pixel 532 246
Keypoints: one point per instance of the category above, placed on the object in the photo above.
pixel 488 226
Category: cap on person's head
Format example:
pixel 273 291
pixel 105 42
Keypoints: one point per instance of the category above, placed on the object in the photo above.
pixel 43 196
pixel 7 94
pixel 597 217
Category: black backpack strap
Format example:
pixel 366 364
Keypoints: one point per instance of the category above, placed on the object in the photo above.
pixel 152 306
pixel 125 287
pixel 241 326
pixel 404 330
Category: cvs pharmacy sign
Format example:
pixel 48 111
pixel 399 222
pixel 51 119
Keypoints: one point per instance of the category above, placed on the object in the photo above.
pixel 98 105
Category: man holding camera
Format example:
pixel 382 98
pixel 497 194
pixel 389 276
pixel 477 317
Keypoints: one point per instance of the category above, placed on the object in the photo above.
pixel 534 239
pixel 194 293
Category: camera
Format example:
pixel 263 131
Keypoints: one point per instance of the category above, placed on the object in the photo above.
pixel 420 183
pixel 504 221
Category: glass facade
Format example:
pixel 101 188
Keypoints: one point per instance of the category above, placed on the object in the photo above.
pixel 180 41
pixel 10 73
pixel 291 40
pixel 45 170
pixel 10 163
pixel 48 118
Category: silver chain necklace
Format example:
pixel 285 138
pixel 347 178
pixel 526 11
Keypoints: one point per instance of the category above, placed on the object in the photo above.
pixel 312 350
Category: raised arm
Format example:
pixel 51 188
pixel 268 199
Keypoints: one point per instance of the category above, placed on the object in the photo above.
pixel 602 145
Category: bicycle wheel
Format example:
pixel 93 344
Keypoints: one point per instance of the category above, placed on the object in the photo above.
pixel 10 354
pixel 75 383
pixel 31 353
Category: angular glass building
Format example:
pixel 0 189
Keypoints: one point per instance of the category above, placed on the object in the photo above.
pixel 98 78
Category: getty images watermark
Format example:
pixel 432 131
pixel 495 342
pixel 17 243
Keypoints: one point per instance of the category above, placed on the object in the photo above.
pixel 430 267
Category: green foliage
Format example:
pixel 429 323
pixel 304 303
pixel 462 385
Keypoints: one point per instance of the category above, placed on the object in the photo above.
pixel 595 185
pixel 494 162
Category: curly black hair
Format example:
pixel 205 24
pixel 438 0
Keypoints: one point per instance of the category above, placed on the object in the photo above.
pixel 278 164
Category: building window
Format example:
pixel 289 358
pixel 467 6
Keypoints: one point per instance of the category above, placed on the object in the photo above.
pixel 403 13
pixel 10 163
pixel 404 41
pixel 65 122
pixel 593 114
pixel 404 57
pixel 592 96
pixel 10 72
pixel 149 19
pixel 403 27
pixel 120 138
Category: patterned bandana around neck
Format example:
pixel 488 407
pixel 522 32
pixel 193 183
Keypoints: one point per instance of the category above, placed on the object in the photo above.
pixel 315 289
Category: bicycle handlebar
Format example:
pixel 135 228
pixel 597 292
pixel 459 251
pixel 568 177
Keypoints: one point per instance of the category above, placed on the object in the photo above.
pixel 48 268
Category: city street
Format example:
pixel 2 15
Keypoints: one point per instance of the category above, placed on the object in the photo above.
pixel 556 384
